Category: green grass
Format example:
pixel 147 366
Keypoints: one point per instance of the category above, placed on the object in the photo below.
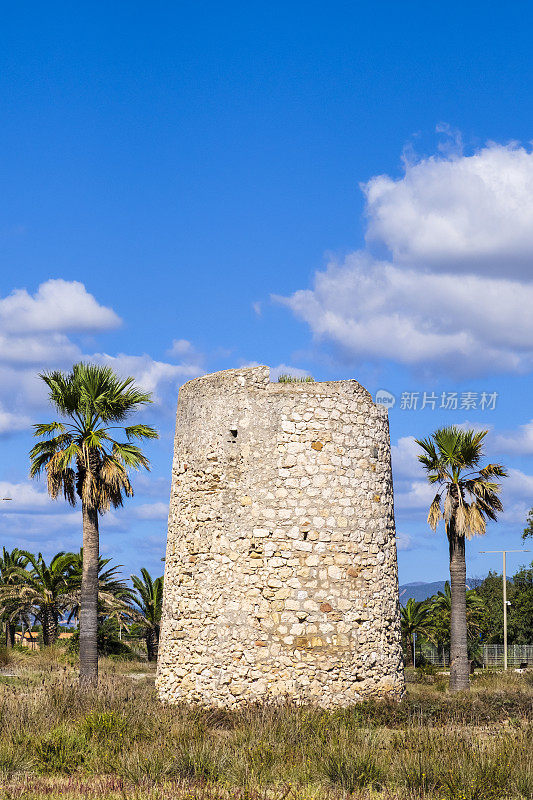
pixel 285 378
pixel 118 741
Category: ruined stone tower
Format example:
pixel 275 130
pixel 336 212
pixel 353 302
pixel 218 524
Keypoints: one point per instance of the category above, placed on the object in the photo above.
pixel 281 576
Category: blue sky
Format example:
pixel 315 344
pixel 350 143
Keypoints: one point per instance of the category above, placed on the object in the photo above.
pixel 344 189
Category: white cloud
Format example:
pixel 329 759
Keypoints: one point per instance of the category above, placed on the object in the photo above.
pixel 516 514
pixel 404 541
pixel 25 497
pixel 454 225
pixel 180 347
pixel 418 495
pixel 518 485
pixel 519 441
pixel 35 335
pixel 41 349
pixel 405 463
pixel 10 423
pixel 150 375
pixel 147 484
pixel 375 309
pixel 152 511
pixel 458 213
pixel 57 306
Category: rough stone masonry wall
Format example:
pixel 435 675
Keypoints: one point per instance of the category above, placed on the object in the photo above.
pixel 281 575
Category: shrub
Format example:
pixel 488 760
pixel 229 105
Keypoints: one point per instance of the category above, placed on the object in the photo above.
pixel 61 751
pixel 199 760
pixel 352 771
pixel 108 641
pixel 102 725
pixel 285 378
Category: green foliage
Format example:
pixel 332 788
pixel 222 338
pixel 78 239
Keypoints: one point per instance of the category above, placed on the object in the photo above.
pixel 147 610
pixel 114 597
pixel 102 725
pixel 520 610
pixel 62 751
pixel 37 589
pixel 528 530
pixel 286 378
pixel 108 641
pixel 466 496
pixel 31 589
pixel 81 455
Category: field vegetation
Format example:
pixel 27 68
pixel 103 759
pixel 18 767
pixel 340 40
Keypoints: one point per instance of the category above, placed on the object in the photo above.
pixel 117 741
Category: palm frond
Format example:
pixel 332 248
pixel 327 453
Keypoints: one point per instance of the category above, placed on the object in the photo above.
pixel 435 512
pixel 141 432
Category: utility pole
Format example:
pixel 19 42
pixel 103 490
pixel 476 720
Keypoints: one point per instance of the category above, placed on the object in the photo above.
pixel 504 578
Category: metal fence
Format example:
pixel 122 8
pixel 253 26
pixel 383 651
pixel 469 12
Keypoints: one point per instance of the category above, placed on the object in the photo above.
pixel 517 654
pixel 439 656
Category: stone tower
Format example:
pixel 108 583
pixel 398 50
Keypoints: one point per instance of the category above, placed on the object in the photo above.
pixel 281 576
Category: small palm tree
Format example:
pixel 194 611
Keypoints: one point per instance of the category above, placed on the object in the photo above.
pixel 415 620
pixel 148 607
pixel 9 562
pixel 475 609
pixel 83 460
pixel 44 591
pixel 466 498
pixel 114 597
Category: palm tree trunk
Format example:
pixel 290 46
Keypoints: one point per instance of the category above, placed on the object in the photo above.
pixel 89 599
pixel 459 666
pixel 151 649
pixel 49 619
pixel 45 626
pixel 10 634
pixel 157 630
pixel 409 648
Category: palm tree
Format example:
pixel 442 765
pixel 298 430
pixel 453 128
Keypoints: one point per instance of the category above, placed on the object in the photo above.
pixel 44 591
pixel 84 461
pixel 466 498
pixel 114 597
pixel 9 561
pixel 415 619
pixel 475 609
pixel 149 604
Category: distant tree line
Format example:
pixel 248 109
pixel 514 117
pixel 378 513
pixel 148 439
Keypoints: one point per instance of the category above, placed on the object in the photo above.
pixel 36 594
pixel 429 619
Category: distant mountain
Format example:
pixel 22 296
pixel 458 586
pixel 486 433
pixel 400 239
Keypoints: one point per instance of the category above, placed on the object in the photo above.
pixel 420 590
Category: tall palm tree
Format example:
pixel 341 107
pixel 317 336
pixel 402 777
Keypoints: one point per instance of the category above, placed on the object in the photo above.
pixel 467 496
pixel 83 460
pixel 44 591
pixel 9 562
pixel 148 607
pixel 415 619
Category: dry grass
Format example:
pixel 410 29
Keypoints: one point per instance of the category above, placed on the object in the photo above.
pixel 118 741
